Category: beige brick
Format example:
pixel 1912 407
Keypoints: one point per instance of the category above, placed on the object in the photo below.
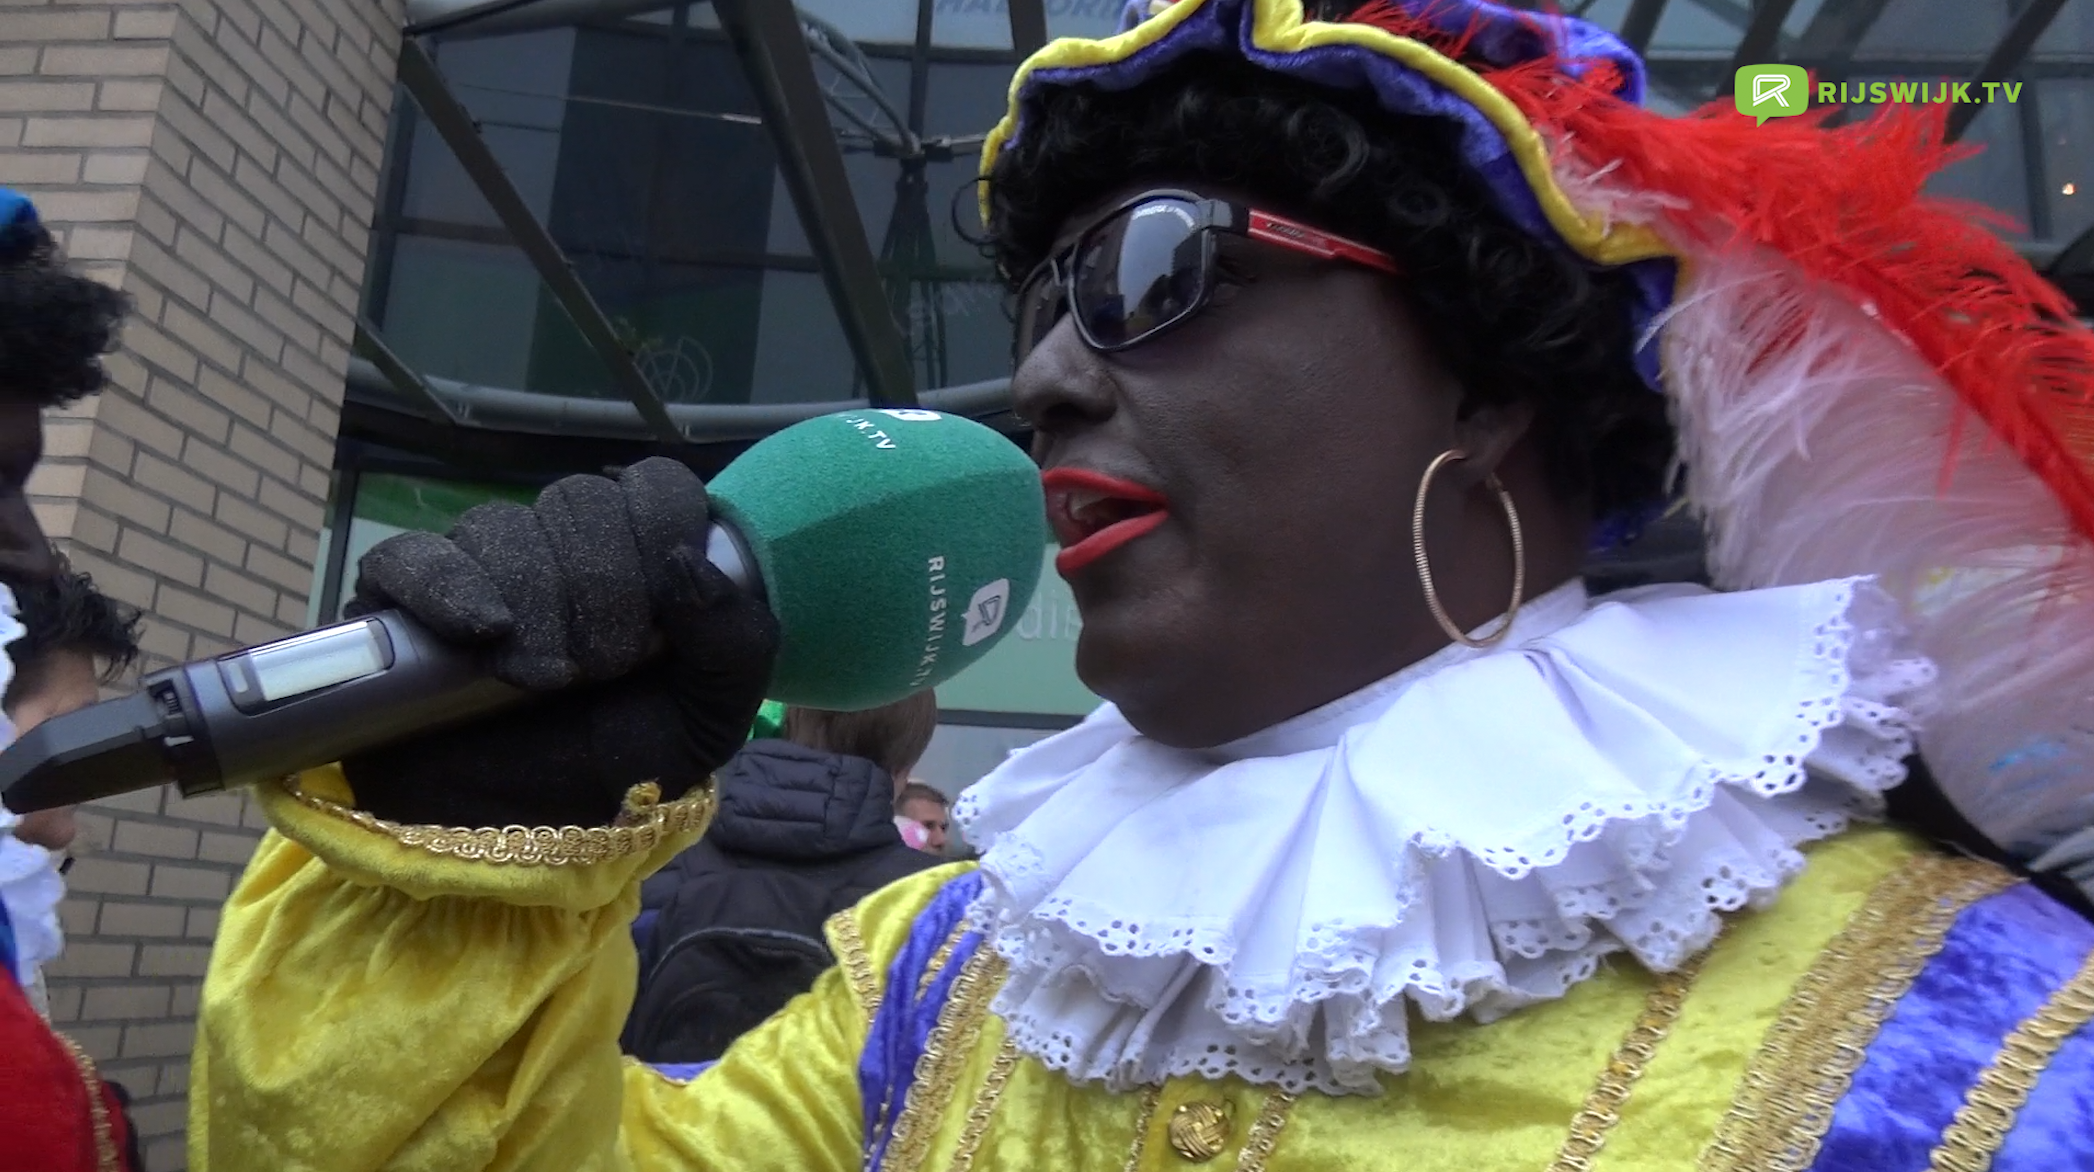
pixel 130 95
pixel 222 467
pixel 144 838
pixel 77 206
pixel 291 611
pixel 252 135
pixel 204 138
pixel 284 241
pixel 105 61
pixel 173 960
pixel 254 817
pixel 186 998
pixel 178 482
pixel 65 1003
pixel 202 923
pixel 168 1152
pixel 256 597
pixel 192 411
pixel 108 131
pixel 146 24
pixel 100 1042
pixel 93 958
pixel 204 615
pixel 255 335
pixel 303 546
pixel 115 167
pixel 153 216
pixel 57 26
pixel 57 479
pixel 30 168
pixel 108 877
pixel 94 529
pixel 296 327
pixel 211 646
pixel 21 97
pixel 95 833
pixel 194 882
pixel 156 555
pixel 163 641
pixel 250 627
pixel 211 262
pixel 249 252
pixel 141 919
pixel 290 575
pixel 157 1041
pixel 234 193
pixel 16 60
pixel 227 848
pixel 278 388
pixel 256 524
pixel 213 539
pixel 94 242
pixel 108 450
pixel 11 134
pixel 131 418
pixel 142 801
pixel 314 482
pixel 219 809
pixel 76 915
pixel 147 342
pixel 66 439
pixel 210 343
pixel 127 1001
pixel 264 452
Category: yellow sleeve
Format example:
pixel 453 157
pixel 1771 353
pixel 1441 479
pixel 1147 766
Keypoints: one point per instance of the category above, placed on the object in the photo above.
pixel 371 1005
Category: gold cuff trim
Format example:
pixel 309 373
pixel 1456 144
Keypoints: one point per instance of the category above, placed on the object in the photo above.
pixel 857 963
pixel 1988 1112
pixel 106 1156
pixel 1143 1121
pixel 1265 1132
pixel 937 1074
pixel 984 1108
pixel 939 959
pixel 1602 1109
pixel 1808 1058
pixel 644 823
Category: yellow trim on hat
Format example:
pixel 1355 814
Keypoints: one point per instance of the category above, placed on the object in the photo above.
pixel 1277 26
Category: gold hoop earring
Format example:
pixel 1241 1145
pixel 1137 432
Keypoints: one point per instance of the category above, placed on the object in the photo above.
pixel 1519 554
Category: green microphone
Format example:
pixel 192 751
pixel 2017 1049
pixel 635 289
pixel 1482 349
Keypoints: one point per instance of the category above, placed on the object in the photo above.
pixel 895 548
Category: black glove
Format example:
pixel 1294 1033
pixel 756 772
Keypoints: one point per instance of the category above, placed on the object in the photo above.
pixel 652 662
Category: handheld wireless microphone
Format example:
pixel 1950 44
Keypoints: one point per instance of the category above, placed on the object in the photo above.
pixel 893 547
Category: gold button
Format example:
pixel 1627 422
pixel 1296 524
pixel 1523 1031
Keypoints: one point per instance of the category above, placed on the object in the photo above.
pixel 1200 1130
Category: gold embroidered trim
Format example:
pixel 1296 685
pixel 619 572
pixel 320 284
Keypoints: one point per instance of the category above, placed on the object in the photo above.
pixel 1989 1110
pixel 1265 1132
pixel 1143 1120
pixel 984 1108
pixel 857 965
pixel 106 1157
pixel 939 959
pixel 642 825
pixel 937 1074
pixel 1808 1058
pixel 1602 1109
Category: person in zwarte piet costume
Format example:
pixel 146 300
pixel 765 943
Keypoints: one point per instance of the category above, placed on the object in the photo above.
pixel 1346 333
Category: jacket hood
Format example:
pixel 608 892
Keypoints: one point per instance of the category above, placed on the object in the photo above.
pixel 779 800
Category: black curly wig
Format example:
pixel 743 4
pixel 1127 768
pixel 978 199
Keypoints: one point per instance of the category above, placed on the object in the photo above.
pixel 55 325
pixel 69 612
pixel 1514 319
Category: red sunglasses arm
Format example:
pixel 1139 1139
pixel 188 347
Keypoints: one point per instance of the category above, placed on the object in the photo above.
pixel 1302 238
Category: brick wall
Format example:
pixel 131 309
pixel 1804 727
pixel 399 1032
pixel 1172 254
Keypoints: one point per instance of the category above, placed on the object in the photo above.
pixel 218 160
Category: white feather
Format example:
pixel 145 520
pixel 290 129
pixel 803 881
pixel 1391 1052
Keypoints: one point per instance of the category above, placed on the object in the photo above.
pixel 1815 441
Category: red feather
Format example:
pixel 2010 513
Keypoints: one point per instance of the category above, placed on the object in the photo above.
pixel 1848 206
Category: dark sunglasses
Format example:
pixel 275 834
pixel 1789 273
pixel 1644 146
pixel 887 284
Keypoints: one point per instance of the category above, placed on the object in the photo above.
pixel 1150 265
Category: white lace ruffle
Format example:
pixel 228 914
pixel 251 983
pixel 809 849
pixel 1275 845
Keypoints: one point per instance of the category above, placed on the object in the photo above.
pixel 1469 836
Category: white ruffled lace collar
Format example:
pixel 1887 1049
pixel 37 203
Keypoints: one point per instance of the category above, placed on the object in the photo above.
pixel 1470 835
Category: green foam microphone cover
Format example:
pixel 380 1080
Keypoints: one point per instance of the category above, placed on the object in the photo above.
pixel 895 547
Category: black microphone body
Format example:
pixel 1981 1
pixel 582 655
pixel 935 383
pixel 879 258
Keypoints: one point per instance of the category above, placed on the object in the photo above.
pixel 272 710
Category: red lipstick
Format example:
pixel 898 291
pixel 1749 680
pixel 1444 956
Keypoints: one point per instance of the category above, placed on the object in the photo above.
pixel 1094 514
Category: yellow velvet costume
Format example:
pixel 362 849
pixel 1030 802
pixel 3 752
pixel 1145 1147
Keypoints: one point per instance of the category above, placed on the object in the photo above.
pixel 376 1005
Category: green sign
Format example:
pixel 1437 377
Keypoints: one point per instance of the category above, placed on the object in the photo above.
pixel 1033 671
